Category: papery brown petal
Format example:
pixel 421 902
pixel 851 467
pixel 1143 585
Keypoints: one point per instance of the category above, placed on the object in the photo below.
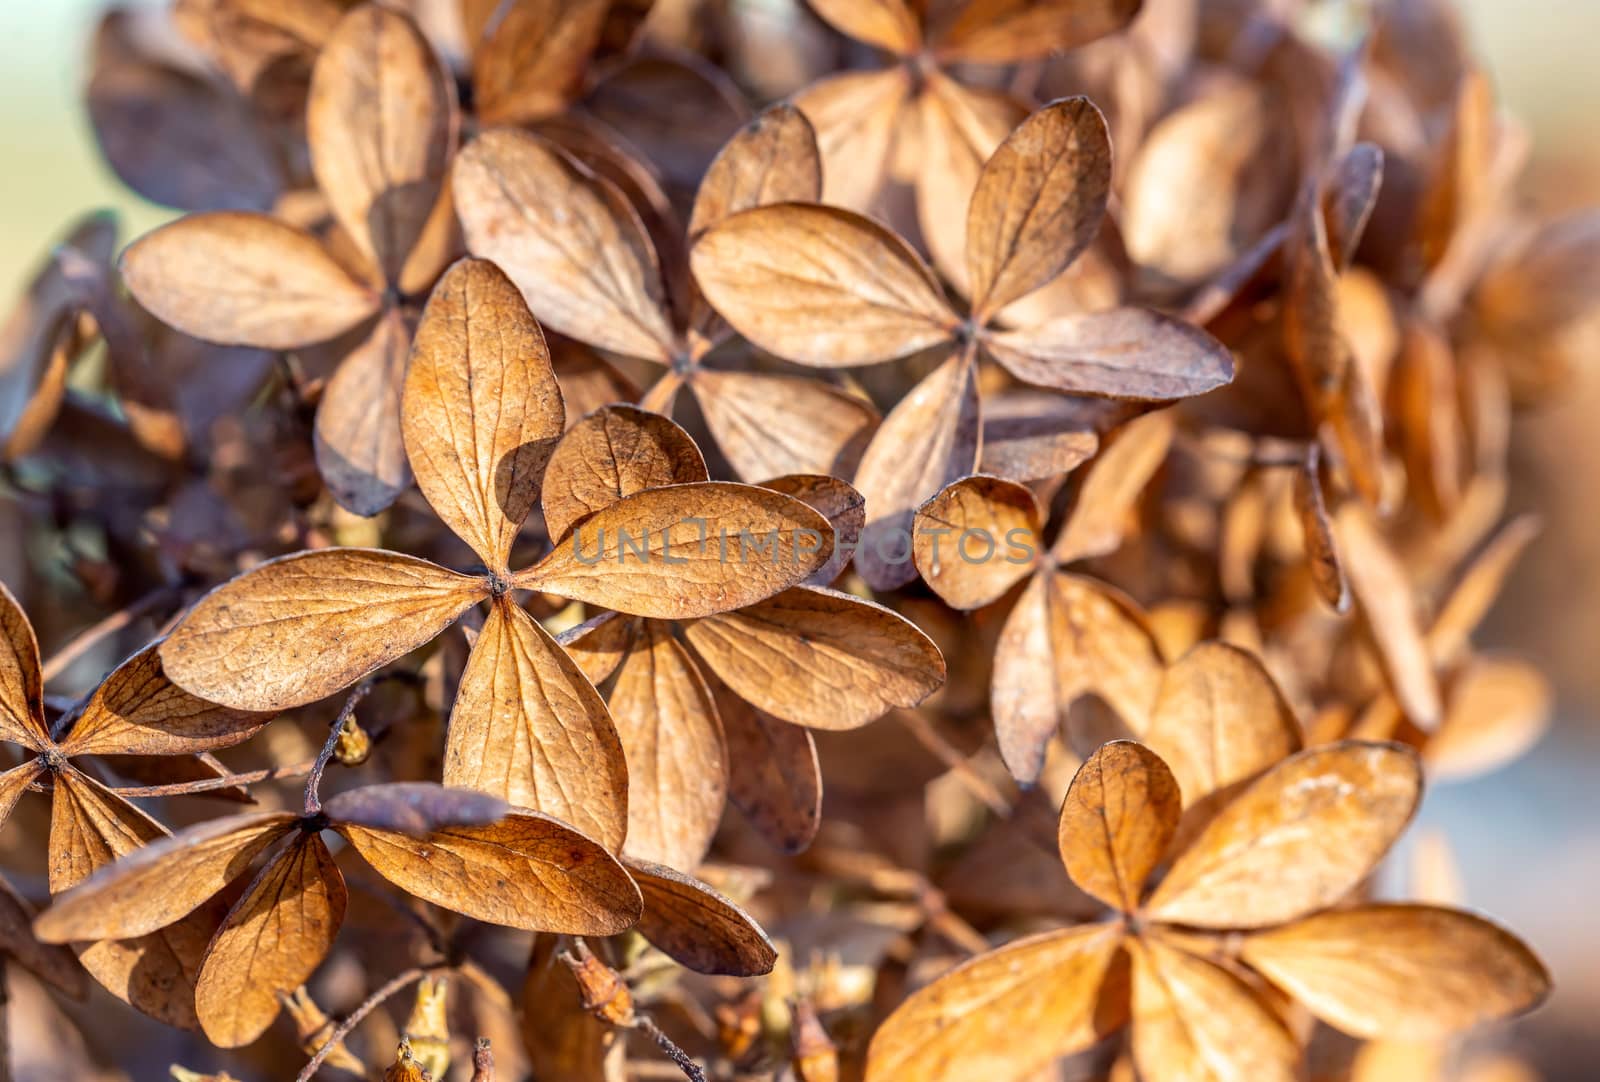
pixel 299 628
pixel 677 761
pixel 1035 435
pixel 272 941
pixel 1220 719
pixel 1388 605
pixel 1005 31
pixel 928 441
pixel 162 881
pixel 1003 1014
pixel 820 286
pixel 1038 203
pixel 246 280
pixel 977 539
pixel 769 425
pixel 21 683
pixel 773 774
pixel 563 1039
pixel 568 238
pixel 1207 183
pixel 482 410
pixel 1113 485
pixel 380 124
pixel 529 727
pixel 614 452
pixel 1497 708
pixel 1359 970
pixel 52 964
pixel 414 807
pixel 840 504
pixel 773 159
pixel 359 446
pixel 1297 840
pixel 137 710
pixel 1195 1021
pixel 15 782
pixel 532 62
pixel 1120 815
pixel 1067 637
pixel 856 115
pixel 888 24
pixel 171 136
pixel 820 658
pixel 527 871
pixel 599 644
pixel 89 828
pixel 1322 550
pixel 1123 353
pixel 697 926
pixel 1478 589
pixel 958 128
pixel 686 551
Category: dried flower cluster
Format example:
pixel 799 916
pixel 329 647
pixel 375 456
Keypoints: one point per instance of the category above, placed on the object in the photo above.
pixel 1074 428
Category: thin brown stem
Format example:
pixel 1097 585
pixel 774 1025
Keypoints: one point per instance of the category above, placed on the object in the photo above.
pixel 226 781
pixel 691 1070
pixel 86 639
pixel 371 1003
pixel 976 784
pixel 314 782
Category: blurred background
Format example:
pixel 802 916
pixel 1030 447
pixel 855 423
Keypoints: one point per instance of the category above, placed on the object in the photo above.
pixel 1528 838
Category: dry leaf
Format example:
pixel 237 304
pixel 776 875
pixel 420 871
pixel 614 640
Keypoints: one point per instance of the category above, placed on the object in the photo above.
pixel 1120 815
pixel 769 425
pixel 773 159
pixel 1004 31
pixel 1123 353
pixel 699 927
pixel 612 453
pixel 977 539
pixel 359 445
pixel 773 774
pixel 1114 483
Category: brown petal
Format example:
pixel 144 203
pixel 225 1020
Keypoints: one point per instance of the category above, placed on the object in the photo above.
pixel 529 727
pixel 89 828
pixel 773 774
pixel 568 238
pixel 1498 708
pixel 1066 638
pixel 820 286
pixel 773 159
pixel 928 441
pixel 51 964
pixel 14 782
pixel 977 539
pixel 697 926
pixel 1038 203
pixel 21 684
pixel 481 411
pixel 1297 840
pixel 599 644
pixel 1004 1014
pixel 380 124
pixel 820 658
pixel 1220 719
pixel 856 115
pixel 1005 31
pixel 527 871
pixel 769 425
pixel 163 881
pixel 360 450
pixel 1359 970
pixel 244 279
pixel 686 551
pixel 414 807
pixel 137 710
pixel 564 1040
pixel 1195 1021
pixel 839 503
pixel 1479 587
pixel 1036 435
pixel 677 761
pixel 1113 485
pixel 299 628
pixel 1123 353
pixel 272 941
pixel 534 59
pixel 888 24
pixel 1389 609
pixel 1322 551
pixel 1120 815
pixel 615 452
